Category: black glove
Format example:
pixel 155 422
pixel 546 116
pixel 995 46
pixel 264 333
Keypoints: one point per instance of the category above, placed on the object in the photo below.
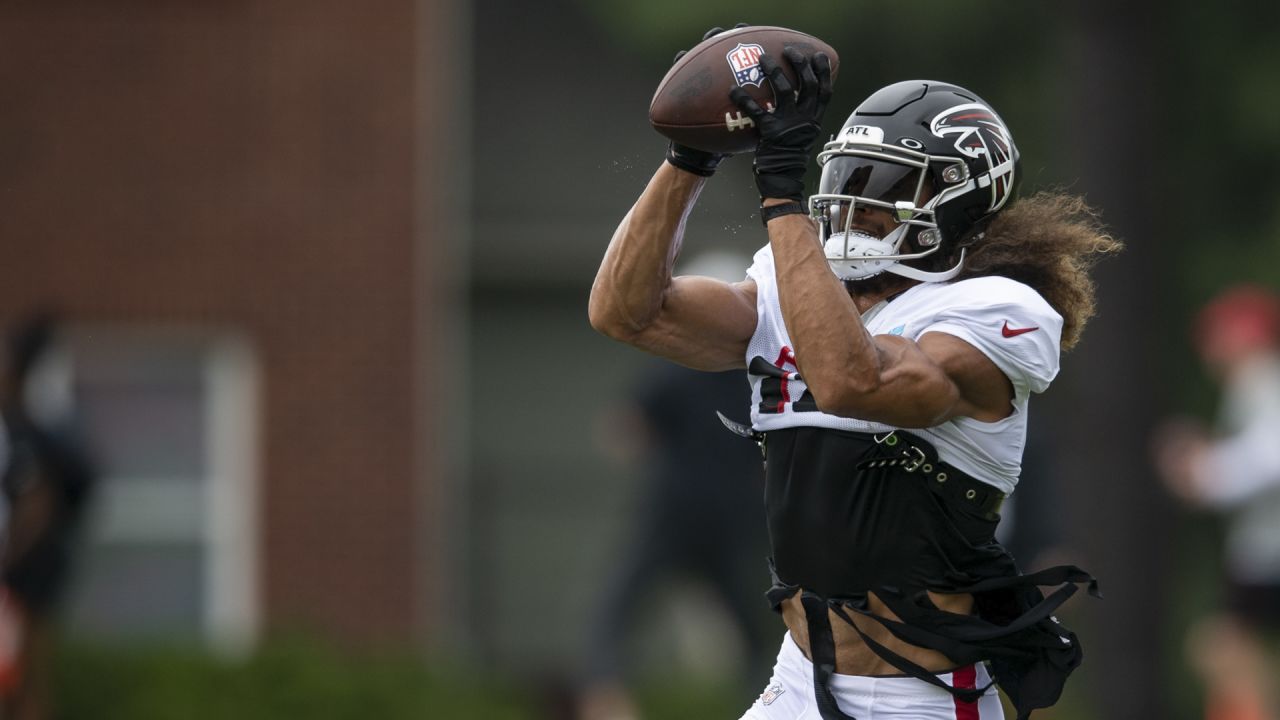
pixel 698 162
pixel 787 134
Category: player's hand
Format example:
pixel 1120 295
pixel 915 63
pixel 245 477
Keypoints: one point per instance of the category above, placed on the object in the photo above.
pixel 788 133
pixel 698 162
pixel 1180 449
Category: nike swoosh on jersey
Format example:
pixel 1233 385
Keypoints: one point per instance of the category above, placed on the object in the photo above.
pixel 1015 332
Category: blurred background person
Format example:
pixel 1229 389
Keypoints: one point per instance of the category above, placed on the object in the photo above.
pixel 699 518
pixel 45 485
pixel 1236 471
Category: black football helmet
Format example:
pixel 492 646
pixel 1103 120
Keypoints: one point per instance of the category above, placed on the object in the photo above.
pixel 934 155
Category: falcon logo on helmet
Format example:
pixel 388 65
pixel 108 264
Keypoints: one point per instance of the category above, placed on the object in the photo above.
pixel 981 133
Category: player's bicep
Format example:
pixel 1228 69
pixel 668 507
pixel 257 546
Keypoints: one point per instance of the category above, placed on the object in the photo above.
pixel 985 392
pixel 704 323
pixel 930 381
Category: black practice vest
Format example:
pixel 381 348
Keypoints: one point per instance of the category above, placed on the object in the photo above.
pixel 852 513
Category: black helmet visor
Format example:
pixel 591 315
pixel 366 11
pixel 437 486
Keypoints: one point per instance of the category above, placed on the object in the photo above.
pixel 881 180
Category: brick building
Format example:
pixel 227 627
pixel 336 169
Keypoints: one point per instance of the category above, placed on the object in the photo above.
pixel 235 206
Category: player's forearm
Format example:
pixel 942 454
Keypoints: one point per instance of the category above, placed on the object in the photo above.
pixel 837 357
pixel 634 276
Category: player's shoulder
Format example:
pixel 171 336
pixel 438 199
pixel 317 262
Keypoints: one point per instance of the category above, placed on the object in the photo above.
pixel 989 290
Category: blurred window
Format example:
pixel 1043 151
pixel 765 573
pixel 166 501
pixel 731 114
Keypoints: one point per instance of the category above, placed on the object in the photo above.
pixel 169 546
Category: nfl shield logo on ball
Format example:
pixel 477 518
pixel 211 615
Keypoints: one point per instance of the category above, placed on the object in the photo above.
pixel 745 61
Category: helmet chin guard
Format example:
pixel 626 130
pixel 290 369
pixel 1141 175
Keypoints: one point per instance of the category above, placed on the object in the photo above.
pixel 858 256
pixel 846 251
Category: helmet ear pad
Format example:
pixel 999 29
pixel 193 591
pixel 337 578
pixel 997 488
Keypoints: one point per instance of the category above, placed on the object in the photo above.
pixel 949 252
pixel 946 255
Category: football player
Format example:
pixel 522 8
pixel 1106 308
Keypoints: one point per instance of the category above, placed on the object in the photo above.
pixel 894 329
pixel 1237 473
pixel 47 484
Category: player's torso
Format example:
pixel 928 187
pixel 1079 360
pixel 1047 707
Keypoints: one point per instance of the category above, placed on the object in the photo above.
pixel 780 398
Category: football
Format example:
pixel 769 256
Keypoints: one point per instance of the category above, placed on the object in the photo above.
pixel 692 106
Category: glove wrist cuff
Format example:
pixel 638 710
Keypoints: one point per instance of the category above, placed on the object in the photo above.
pixel 694 161
pixel 770 212
pixel 689 167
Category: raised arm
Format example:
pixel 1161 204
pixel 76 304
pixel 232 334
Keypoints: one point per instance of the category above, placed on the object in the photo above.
pixel 884 378
pixel 881 378
pixel 696 321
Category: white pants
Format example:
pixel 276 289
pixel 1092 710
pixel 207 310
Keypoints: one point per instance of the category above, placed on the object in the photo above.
pixel 789 695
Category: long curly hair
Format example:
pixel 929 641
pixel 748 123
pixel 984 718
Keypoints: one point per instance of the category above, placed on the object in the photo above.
pixel 1048 241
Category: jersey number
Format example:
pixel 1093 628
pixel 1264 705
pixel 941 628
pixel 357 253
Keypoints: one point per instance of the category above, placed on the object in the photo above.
pixel 775 392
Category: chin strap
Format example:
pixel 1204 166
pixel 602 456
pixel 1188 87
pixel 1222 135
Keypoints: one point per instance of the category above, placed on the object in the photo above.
pixel 907 271
pixel 912 273
pixel 893 241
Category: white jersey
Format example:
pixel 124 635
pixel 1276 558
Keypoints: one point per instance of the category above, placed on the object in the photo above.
pixel 1007 321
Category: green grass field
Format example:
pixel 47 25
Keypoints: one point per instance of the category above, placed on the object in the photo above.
pixel 304 679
